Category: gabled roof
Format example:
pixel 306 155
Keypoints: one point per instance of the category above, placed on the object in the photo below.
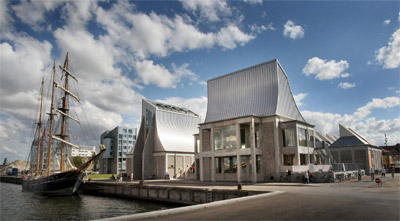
pixel 348 132
pixel 349 137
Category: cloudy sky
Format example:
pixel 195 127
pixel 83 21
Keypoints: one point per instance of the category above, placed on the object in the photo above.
pixel 342 58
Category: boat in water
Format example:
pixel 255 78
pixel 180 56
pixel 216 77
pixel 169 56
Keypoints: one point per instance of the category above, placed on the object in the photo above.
pixel 47 175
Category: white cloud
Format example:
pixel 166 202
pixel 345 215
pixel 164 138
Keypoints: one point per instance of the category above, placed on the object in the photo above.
pixel 389 55
pixel 144 35
pixel 386 22
pixel 371 128
pixel 298 98
pixel 254 1
pixel 258 29
pixel 5 18
pixel 326 70
pixel 33 12
pixel 346 85
pixel 210 10
pixel 197 105
pixel 293 31
pixel 204 83
pixel 229 37
pixel 150 73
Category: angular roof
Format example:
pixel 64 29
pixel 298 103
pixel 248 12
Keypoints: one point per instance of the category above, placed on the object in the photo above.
pixel 172 108
pixel 261 90
pixel 174 126
pixel 349 137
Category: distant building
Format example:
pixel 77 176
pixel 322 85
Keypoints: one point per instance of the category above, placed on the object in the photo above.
pixel 391 156
pixel 84 151
pixel 164 143
pixel 118 142
pixel 253 130
pixel 352 148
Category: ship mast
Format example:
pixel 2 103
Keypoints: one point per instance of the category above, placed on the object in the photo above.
pixel 64 109
pixel 51 121
pixel 40 126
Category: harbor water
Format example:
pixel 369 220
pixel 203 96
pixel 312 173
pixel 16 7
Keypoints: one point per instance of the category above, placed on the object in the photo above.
pixel 18 205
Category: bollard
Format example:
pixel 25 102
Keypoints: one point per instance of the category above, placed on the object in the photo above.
pixel 239 186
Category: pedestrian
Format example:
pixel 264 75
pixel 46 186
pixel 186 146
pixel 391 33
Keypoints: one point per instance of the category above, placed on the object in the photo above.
pixel 120 177
pixel 392 172
pixel 371 171
pixel 306 177
pixel 359 174
pixel 383 172
pixel 167 175
pixel 131 177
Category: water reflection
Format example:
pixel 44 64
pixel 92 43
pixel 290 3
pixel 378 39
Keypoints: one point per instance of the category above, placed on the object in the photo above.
pixel 18 205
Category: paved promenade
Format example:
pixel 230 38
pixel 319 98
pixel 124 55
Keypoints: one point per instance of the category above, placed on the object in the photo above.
pixel 349 200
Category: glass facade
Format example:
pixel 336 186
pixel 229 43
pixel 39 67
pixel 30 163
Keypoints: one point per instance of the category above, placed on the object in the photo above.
pixel 230 165
pixel 302 137
pixel 244 164
pixel 225 137
pixel 218 164
pixel 288 137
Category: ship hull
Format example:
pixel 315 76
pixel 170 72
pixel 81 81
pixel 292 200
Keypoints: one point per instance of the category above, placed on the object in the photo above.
pixel 60 184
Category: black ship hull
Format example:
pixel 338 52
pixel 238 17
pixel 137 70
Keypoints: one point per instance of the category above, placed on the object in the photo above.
pixel 60 184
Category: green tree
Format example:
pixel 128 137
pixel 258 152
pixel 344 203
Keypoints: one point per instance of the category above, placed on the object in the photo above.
pixel 77 161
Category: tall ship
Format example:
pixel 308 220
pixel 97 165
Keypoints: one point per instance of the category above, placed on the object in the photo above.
pixel 51 171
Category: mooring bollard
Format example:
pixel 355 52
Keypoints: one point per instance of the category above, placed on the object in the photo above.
pixel 239 186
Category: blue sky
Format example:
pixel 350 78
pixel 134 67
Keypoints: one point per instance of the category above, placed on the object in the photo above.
pixel 342 58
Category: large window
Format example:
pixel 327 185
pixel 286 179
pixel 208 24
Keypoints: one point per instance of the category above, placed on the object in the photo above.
pixel 288 137
pixel 311 132
pixel 258 163
pixel 288 160
pixel 257 135
pixel 303 159
pixel 244 164
pixel 302 136
pixel 218 165
pixel 230 165
pixel 149 116
pixel 197 145
pixel 225 137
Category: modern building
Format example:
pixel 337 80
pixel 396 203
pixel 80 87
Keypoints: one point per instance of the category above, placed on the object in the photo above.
pixel 352 148
pixel 253 130
pixel 322 154
pixel 164 143
pixel 83 151
pixel 118 142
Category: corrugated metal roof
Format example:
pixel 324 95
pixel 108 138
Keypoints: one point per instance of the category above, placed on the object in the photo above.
pixel 174 126
pixel 260 90
pixel 172 108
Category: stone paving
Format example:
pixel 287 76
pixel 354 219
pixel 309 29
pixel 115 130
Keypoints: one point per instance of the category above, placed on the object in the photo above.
pixel 348 200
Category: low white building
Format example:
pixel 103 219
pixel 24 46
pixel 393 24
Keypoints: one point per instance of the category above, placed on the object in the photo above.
pixel 84 151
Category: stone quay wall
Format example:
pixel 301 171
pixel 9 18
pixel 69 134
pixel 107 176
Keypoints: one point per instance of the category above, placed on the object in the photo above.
pixel 179 195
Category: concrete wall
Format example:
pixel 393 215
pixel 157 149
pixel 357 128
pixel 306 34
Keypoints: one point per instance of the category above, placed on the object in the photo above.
pixel 268 151
pixel 181 195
